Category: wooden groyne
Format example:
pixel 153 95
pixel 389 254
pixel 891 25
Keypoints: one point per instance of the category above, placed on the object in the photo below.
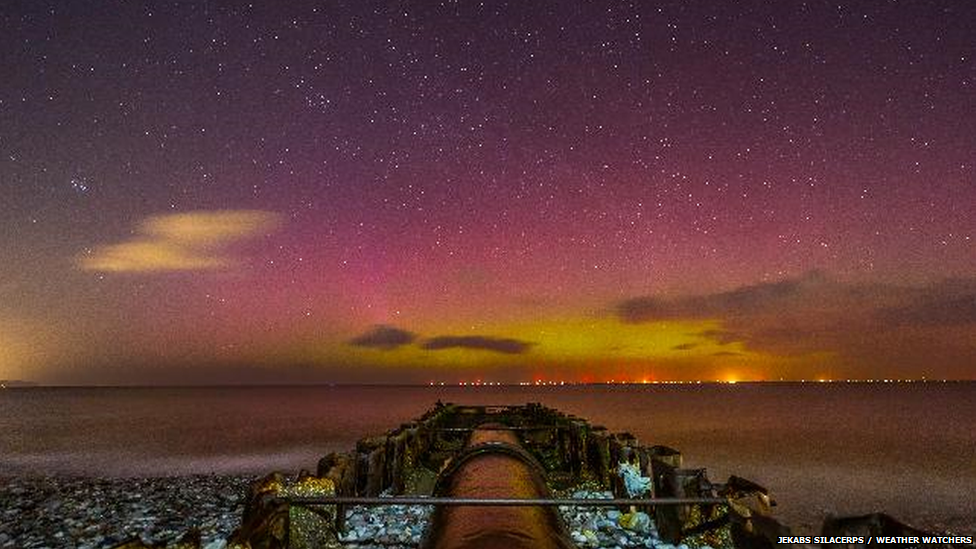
pixel 407 460
pixel 424 462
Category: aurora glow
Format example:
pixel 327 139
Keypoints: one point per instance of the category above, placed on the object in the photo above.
pixel 418 192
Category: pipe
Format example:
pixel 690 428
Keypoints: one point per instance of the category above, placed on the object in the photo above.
pixel 494 465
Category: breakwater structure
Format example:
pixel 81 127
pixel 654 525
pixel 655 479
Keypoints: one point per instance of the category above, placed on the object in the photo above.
pixel 506 477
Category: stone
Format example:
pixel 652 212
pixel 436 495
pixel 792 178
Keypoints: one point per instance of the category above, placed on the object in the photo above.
pixel 636 521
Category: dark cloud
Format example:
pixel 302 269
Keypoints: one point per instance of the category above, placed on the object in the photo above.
pixel 483 343
pixel 384 337
pixel 390 337
pixel 951 304
pixel 892 326
pixel 741 301
pixel 684 347
pixel 726 353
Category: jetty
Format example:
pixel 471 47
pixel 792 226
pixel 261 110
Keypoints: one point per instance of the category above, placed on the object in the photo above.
pixel 507 477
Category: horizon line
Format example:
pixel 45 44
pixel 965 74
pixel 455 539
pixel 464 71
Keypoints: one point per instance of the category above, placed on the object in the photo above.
pixel 22 384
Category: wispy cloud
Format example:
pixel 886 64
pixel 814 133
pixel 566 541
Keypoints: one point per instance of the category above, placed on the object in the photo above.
pixel 747 300
pixel 726 353
pixel 189 241
pixel 684 347
pixel 865 322
pixel 482 343
pixel 384 337
pixel 950 304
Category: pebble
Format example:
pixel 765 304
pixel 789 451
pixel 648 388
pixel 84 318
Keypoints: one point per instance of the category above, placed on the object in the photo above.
pixel 599 528
pixel 88 513
pixel 93 513
pixel 398 526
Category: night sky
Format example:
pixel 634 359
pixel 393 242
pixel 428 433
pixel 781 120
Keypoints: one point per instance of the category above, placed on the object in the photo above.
pixel 413 191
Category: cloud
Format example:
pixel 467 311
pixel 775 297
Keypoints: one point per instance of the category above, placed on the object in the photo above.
pixel 382 337
pixel 684 347
pixel 388 338
pixel 741 301
pixel 891 326
pixel 189 241
pixel 953 303
pixel 726 353
pixel 483 343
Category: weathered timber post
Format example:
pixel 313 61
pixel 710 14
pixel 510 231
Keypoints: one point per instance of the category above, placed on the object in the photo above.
pixel 311 526
pixel 341 470
pixel 564 442
pixel 372 466
pixel 750 508
pixel 269 522
pixel 664 462
pixel 598 454
pixel 622 447
pixel 579 430
pixel 398 462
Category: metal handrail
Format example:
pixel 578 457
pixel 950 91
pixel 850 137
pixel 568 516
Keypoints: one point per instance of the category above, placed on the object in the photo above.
pixel 495 502
pixel 494 428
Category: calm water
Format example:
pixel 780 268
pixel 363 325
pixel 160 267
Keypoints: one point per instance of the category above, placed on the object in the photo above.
pixel 907 449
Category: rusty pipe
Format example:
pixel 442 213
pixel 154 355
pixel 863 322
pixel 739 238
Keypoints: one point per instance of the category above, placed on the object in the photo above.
pixel 494 465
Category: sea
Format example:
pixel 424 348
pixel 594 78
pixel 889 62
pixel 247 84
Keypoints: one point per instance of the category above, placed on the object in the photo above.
pixel 908 449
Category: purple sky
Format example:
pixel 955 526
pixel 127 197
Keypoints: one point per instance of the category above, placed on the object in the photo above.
pixel 420 191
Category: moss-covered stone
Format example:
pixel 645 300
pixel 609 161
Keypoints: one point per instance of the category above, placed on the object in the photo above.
pixel 272 523
pixel 311 526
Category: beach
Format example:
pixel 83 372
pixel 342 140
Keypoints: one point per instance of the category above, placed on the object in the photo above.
pixel 92 513
pixel 98 466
